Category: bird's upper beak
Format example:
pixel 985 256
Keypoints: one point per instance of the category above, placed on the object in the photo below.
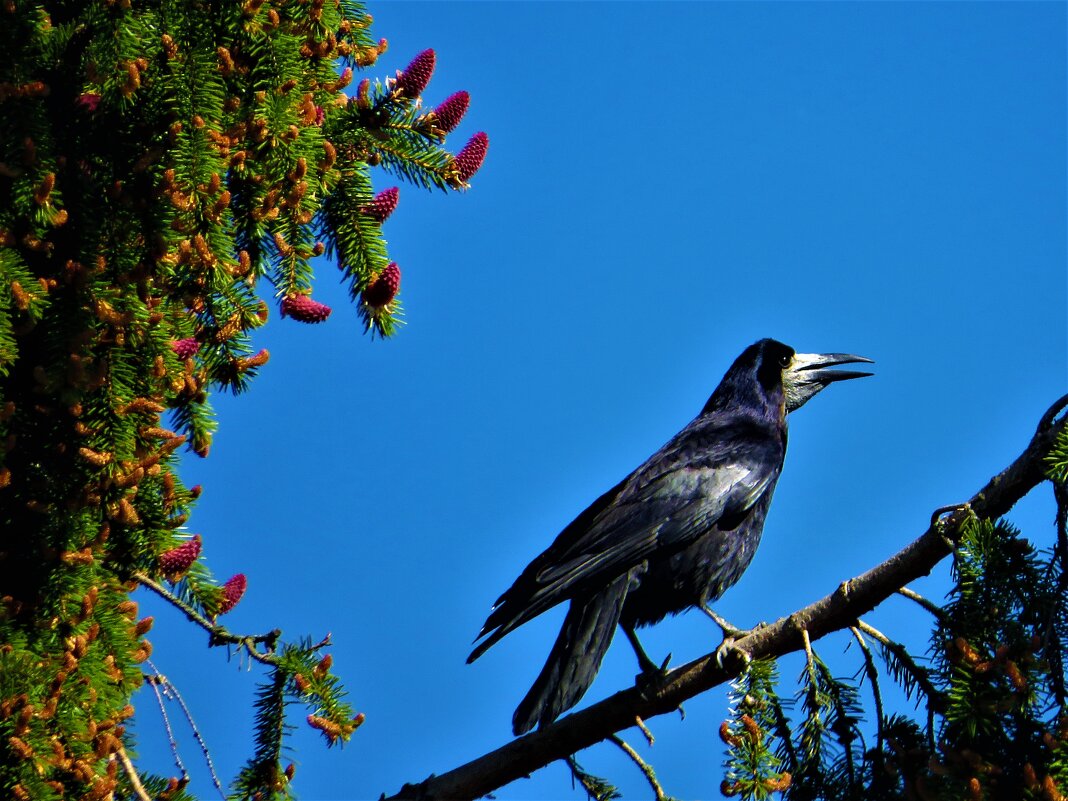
pixel 808 374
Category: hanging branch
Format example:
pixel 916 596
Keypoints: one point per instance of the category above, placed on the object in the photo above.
pixel 902 655
pixel 153 680
pixel 171 691
pixel 643 766
pixel 836 611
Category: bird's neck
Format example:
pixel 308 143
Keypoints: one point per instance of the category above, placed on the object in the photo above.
pixel 751 398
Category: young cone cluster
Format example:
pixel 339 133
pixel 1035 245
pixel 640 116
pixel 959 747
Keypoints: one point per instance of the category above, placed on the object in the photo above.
pixel 160 162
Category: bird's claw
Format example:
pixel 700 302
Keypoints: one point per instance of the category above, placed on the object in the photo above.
pixel 651 677
pixel 729 648
pixel 731 635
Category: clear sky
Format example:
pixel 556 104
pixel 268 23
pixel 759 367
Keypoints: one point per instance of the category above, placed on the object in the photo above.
pixel 666 183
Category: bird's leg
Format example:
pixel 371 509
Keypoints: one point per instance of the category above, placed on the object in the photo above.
pixel 651 674
pixel 647 665
pixel 731 634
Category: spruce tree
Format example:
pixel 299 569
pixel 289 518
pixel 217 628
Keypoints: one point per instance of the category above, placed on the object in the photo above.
pixel 168 172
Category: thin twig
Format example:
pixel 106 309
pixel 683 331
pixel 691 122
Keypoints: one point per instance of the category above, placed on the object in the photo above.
pixel 903 656
pixel 153 682
pixel 643 766
pixel 645 730
pixel 810 661
pixel 873 679
pixel 131 774
pixel 172 690
pixel 220 635
pixel 593 785
pixel 927 604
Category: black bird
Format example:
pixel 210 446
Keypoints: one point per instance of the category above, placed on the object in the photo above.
pixel 675 533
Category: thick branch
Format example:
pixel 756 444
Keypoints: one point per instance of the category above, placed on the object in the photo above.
pixel 835 612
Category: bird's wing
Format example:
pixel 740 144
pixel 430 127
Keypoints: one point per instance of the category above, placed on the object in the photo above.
pixel 663 514
pixel 714 469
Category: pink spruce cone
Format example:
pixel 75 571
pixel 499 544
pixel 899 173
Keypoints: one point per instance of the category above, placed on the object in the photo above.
pixel 88 102
pixel 304 309
pixel 471 157
pixel 417 74
pixel 383 204
pixel 451 111
pixel 232 591
pixel 381 291
pixel 176 561
pixel 185 348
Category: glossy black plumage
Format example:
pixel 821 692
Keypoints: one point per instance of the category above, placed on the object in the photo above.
pixel 676 532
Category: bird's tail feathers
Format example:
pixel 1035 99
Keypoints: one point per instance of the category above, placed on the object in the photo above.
pixel 575 657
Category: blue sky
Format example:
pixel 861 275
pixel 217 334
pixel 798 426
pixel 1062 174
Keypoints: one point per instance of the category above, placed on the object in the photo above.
pixel 666 183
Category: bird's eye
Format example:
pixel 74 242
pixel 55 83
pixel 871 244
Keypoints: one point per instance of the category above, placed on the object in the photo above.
pixel 784 360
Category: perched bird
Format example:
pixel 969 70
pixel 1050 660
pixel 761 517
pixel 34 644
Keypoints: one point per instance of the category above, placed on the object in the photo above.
pixel 675 533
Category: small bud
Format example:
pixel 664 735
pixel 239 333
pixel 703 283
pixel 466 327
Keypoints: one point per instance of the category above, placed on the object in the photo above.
pixel 320 670
pixel 362 94
pixel 752 729
pixel 726 736
pixel 416 75
pixel 331 731
pixel 233 590
pixel 304 309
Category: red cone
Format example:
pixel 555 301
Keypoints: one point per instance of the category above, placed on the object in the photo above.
pixel 417 74
pixel 233 589
pixel 471 157
pixel 381 291
pixel 304 309
pixel 452 110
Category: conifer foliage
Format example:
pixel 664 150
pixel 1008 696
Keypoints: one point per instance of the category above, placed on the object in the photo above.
pixel 157 162
pixel 991 693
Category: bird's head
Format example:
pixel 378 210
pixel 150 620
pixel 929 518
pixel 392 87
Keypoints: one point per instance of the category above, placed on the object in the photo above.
pixel 771 375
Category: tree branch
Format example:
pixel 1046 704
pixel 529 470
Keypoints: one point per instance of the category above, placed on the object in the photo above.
pixel 220 635
pixel 837 611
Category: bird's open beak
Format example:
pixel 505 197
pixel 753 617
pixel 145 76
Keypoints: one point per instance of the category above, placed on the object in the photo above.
pixel 808 373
